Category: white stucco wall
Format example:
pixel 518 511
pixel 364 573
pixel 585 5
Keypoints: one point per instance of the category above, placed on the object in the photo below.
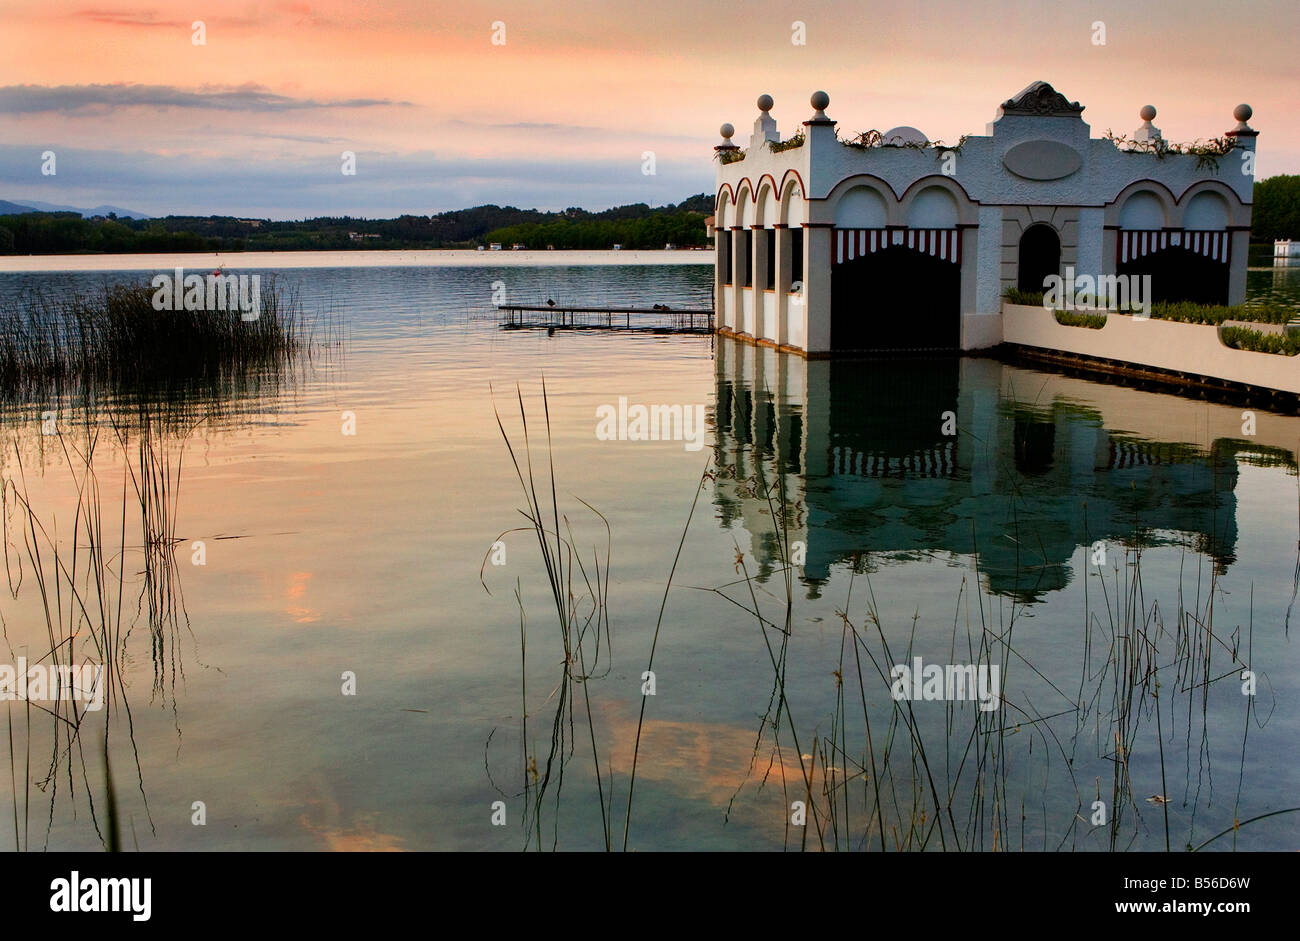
pixel 1091 257
pixel 1164 344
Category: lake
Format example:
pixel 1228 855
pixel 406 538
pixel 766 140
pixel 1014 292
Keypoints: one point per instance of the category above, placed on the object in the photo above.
pixel 371 651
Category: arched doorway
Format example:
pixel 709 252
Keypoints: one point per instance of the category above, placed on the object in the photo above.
pixel 1040 256
pixel 896 299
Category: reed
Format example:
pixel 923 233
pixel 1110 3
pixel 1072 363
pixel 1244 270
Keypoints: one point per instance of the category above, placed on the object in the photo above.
pixel 78 584
pixel 1130 732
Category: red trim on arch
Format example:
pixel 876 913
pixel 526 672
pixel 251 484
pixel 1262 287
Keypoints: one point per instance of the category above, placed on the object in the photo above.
pixel 803 190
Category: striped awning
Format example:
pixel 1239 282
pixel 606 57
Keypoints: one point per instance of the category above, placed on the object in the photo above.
pixel 938 461
pixel 1133 244
pixel 944 244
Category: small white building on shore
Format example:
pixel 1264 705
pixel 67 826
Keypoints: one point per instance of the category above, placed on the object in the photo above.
pixel 895 242
pixel 1286 248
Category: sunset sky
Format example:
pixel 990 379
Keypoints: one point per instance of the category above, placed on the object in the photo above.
pixel 254 122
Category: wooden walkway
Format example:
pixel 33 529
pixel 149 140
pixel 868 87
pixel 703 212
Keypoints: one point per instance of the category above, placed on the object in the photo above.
pixel 663 320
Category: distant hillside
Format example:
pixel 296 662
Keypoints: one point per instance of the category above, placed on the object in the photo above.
pixel 634 226
pixel 8 208
pixel 637 225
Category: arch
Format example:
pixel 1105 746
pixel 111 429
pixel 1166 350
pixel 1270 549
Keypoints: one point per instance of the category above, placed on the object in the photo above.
pixel 1176 270
pixel 744 205
pixel 1039 256
pixel 793 209
pixel 841 189
pixel 1205 210
pixel 967 211
pixel 785 180
pixel 725 188
pixel 723 211
pixel 771 181
pixel 932 208
pixel 766 209
pixel 1238 212
pixel 861 207
pixel 1114 209
pixel 1143 210
pixel 1216 186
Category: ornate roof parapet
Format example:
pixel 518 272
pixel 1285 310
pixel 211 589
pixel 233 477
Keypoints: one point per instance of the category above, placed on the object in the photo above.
pixel 1040 99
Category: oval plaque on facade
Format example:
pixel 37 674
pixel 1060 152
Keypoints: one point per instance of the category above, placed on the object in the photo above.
pixel 1042 160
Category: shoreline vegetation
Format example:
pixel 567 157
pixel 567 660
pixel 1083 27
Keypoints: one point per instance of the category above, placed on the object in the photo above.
pixel 110 344
pixel 636 226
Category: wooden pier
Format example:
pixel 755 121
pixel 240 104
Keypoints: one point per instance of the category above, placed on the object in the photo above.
pixel 563 317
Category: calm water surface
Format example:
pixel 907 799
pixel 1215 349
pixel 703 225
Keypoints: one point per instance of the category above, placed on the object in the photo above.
pixel 1122 555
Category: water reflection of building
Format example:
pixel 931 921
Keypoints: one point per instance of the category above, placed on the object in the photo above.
pixel 1040 464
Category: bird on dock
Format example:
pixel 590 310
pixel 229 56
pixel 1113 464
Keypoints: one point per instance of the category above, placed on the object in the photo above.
pixel 550 303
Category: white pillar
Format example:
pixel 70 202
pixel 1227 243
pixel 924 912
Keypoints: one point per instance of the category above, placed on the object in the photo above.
pixel 818 239
pixel 784 267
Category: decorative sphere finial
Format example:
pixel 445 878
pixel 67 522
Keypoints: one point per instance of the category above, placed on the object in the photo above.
pixel 1147 113
pixel 765 103
pixel 726 131
pixel 1243 113
pixel 820 100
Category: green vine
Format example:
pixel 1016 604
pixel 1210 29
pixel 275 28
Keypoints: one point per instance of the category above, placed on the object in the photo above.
pixel 729 156
pixel 792 144
pixel 1207 154
pixel 873 139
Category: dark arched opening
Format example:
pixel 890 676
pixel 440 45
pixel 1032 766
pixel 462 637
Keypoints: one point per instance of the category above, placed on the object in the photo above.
pixel 1040 256
pixel 896 298
pixel 1181 275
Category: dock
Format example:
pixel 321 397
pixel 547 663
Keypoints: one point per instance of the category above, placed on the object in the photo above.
pixel 564 317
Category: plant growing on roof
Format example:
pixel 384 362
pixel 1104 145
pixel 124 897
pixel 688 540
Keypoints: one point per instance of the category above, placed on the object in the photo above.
pixel 872 139
pixel 1207 154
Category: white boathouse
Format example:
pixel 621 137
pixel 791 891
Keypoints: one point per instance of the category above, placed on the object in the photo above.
pixel 893 242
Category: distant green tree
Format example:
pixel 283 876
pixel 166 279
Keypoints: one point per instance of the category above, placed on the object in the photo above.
pixel 1276 211
pixel 633 226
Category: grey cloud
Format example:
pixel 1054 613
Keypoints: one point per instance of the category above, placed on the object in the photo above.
pixel 36 99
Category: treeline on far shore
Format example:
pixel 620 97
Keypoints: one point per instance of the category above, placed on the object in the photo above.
pixel 634 226
pixel 1275 214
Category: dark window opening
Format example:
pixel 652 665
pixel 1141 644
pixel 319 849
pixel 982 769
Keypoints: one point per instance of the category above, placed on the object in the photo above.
pixel 747 254
pixel 771 258
pixel 724 255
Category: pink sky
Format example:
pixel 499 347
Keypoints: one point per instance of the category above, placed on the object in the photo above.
pixel 254 122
